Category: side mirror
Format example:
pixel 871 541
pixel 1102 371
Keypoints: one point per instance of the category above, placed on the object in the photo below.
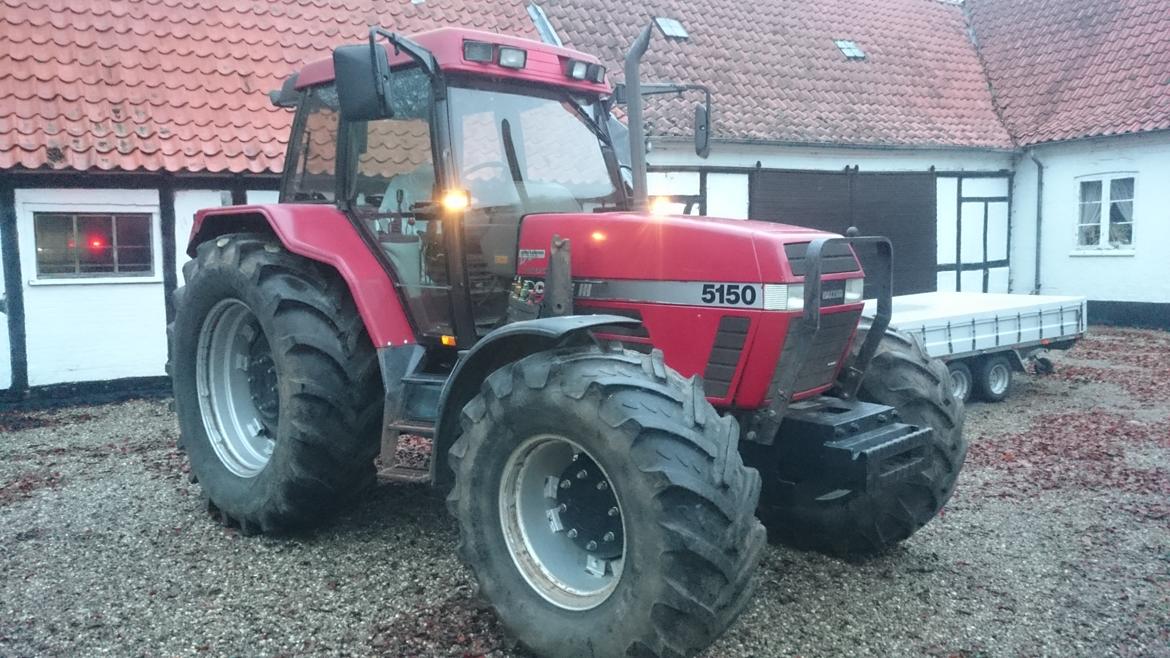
pixel 702 131
pixel 619 94
pixel 362 76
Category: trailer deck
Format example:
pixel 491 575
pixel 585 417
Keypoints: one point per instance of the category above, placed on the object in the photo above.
pixel 984 336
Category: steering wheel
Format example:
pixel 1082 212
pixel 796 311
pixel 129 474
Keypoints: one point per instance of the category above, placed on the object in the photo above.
pixel 502 166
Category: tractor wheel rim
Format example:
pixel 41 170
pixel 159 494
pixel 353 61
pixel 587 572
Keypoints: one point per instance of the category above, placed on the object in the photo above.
pixel 960 384
pixel 568 545
pixel 236 381
pixel 997 379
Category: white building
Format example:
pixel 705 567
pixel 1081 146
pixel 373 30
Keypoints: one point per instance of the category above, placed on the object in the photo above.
pixel 936 123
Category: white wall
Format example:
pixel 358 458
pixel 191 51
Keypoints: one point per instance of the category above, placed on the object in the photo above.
pixel 1140 274
pixel 91 329
pixel 5 351
pixel 188 202
pixel 981 202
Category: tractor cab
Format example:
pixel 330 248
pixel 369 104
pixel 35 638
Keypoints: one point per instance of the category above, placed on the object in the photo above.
pixel 468 133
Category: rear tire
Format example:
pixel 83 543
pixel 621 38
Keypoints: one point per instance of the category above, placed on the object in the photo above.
pixel 904 377
pixel 685 500
pixel 316 402
pixel 993 379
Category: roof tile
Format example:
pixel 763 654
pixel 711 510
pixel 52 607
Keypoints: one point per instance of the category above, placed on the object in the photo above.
pixel 777 76
pixel 181 85
pixel 1069 69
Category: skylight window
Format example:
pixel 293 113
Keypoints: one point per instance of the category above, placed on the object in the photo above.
pixel 850 49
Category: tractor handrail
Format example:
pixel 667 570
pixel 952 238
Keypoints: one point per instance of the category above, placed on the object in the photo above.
pixel 804 332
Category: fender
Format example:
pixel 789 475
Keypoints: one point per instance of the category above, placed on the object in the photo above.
pixel 323 234
pixel 505 345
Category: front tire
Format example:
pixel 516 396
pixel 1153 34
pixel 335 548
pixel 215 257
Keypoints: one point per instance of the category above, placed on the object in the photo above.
pixel 671 564
pixel 276 385
pixel 901 375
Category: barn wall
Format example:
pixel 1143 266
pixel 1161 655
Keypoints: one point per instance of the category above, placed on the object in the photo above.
pixel 725 183
pixel 95 328
pixel 99 328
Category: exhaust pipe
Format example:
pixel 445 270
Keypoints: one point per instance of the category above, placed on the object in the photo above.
pixel 634 118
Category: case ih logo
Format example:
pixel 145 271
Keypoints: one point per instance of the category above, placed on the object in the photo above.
pixel 833 294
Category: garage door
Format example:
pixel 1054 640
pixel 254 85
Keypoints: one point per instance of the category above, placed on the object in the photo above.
pixel 900 206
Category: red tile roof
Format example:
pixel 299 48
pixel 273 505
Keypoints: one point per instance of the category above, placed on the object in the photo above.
pixel 180 85
pixel 778 76
pixel 1064 69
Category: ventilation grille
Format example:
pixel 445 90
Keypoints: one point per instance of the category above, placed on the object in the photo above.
pixel 835 257
pixel 824 355
pixel 725 353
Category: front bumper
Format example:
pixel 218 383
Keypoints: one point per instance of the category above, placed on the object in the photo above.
pixel 831 445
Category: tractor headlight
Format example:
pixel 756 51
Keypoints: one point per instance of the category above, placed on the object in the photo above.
pixel 783 296
pixel 854 290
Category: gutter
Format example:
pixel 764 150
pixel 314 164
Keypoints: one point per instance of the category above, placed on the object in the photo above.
pixel 1039 216
pixel 675 139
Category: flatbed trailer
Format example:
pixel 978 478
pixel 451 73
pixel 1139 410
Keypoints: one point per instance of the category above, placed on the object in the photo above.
pixel 985 337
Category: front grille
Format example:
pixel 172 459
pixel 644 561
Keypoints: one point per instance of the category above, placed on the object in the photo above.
pixel 820 365
pixel 835 257
pixel 724 357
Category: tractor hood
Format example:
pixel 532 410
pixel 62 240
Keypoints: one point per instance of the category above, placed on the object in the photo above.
pixel 671 248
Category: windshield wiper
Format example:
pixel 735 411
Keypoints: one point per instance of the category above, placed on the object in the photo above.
pixel 589 121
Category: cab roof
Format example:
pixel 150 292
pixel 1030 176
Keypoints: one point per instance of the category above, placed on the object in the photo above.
pixel 545 63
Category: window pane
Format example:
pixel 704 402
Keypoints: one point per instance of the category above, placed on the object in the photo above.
pixel 316 165
pixel 1121 189
pixel 1121 211
pixel 95 234
pixel 1090 191
pixel 1120 234
pixel 56 244
pixel 1089 236
pixel 1090 214
pixel 134 249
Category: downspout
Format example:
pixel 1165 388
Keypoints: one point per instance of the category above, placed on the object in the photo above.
pixel 634 118
pixel 1039 215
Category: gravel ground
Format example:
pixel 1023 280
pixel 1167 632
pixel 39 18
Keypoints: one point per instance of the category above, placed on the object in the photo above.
pixel 1057 542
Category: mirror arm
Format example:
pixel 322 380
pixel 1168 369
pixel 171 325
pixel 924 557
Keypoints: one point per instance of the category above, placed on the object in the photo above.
pixel 424 57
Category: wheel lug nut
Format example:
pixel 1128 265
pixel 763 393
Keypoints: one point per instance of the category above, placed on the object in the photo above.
pixel 607 536
pixel 591 546
pixel 572 533
pixel 565 484
pixel 602 486
pixel 576 456
pixel 582 474
pixel 613 511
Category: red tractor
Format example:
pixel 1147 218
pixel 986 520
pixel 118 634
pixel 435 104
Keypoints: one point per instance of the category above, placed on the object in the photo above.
pixel 457 256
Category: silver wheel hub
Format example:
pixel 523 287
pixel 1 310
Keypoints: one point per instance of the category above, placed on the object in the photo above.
pixel 960 384
pixel 998 378
pixel 562 522
pixel 236 382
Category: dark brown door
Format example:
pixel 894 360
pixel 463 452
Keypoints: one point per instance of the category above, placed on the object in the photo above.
pixel 900 206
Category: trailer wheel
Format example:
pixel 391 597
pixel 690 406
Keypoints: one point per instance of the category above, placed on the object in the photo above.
pixel 276 385
pixel 603 507
pixel 961 380
pixel 994 378
pixel 901 375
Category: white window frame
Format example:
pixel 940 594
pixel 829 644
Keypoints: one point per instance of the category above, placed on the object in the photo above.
pixel 1103 247
pixel 85 201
